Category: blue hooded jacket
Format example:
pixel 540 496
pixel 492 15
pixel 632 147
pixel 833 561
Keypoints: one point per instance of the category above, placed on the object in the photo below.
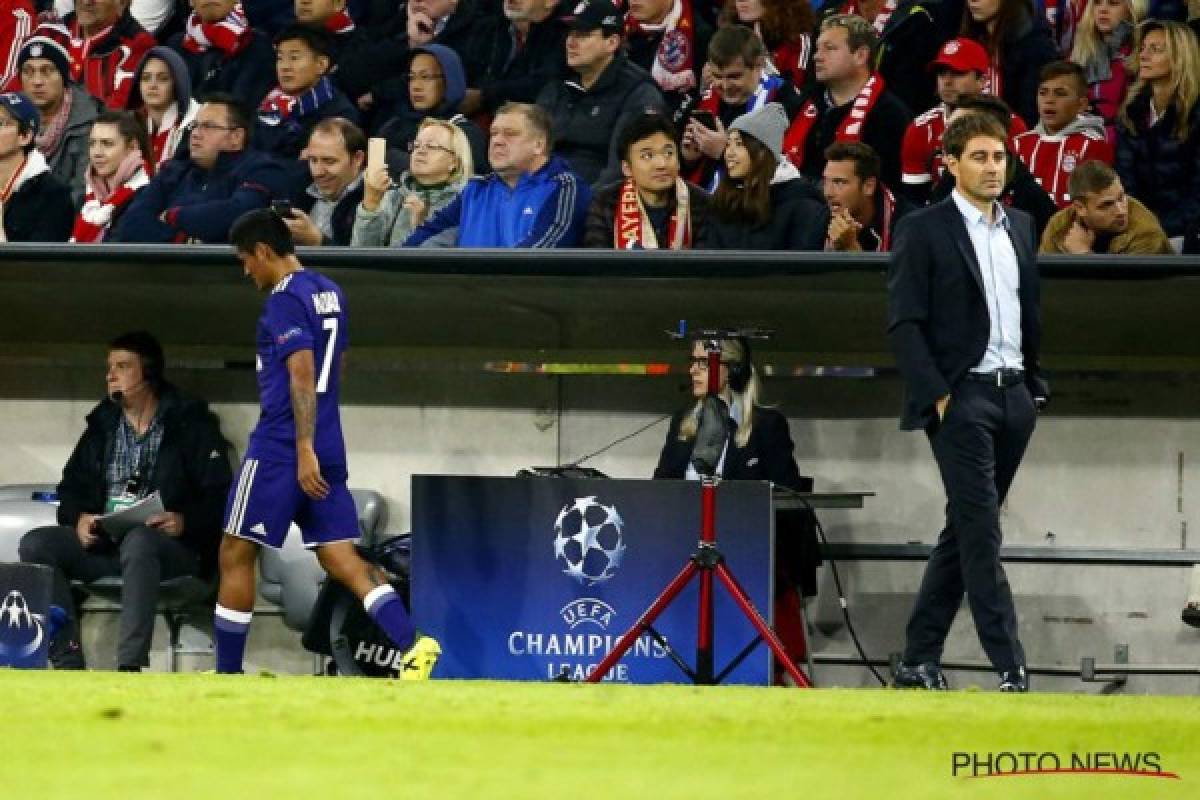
pixel 545 209
pixel 400 128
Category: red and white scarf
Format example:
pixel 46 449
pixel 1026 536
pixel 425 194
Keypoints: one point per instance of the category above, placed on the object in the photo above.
pixel 231 35
pixel 631 225
pixel 102 201
pixel 881 19
pixel 277 106
pixel 675 60
pixel 339 22
pixel 850 130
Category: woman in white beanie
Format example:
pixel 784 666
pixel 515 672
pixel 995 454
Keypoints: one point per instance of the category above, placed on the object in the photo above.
pixel 763 204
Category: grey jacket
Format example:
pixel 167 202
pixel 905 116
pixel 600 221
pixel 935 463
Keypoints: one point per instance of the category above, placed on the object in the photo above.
pixel 390 225
pixel 70 162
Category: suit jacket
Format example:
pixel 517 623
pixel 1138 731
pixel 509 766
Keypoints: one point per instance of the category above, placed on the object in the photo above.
pixel 938 321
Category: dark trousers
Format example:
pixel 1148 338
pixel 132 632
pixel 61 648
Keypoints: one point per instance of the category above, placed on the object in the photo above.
pixel 144 558
pixel 978 447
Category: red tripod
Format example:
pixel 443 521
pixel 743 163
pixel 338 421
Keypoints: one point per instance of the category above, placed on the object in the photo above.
pixel 704 563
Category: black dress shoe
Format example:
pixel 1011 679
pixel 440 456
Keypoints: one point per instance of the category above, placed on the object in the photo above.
pixel 1014 680
pixel 922 676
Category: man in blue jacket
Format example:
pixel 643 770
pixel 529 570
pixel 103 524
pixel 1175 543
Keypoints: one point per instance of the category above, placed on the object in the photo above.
pixel 198 198
pixel 532 199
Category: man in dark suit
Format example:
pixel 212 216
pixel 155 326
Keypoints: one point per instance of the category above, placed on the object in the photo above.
pixel 963 321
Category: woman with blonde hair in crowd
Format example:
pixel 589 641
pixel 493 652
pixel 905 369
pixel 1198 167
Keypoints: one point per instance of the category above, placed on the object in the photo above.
pixel 1158 131
pixel 439 166
pixel 1103 43
pixel 785 27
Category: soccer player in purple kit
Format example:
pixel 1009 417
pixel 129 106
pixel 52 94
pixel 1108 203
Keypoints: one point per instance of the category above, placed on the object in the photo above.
pixel 295 464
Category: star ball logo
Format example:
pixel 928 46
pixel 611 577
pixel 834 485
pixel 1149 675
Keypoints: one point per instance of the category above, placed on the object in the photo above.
pixel 21 631
pixel 589 541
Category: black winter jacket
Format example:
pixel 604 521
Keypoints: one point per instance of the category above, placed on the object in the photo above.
pixel 588 122
pixel 1158 168
pixel 248 76
pixel 343 214
pixel 40 210
pixel 507 77
pixel 799 221
pixel 191 472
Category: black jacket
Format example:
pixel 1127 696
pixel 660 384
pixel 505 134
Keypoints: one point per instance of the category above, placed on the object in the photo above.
pixel 587 124
pixel 1030 48
pixel 602 216
pixel 799 221
pixel 191 472
pixel 343 214
pixel 883 130
pixel 767 456
pixel 40 210
pixel 1159 169
pixel 506 77
pixel 937 311
pixel 248 76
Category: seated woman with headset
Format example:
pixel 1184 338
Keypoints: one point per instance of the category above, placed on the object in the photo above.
pixel 760 449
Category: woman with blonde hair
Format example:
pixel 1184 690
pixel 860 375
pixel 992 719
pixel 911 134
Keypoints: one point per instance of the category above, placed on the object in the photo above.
pixel 1158 132
pixel 1103 42
pixel 759 449
pixel 439 166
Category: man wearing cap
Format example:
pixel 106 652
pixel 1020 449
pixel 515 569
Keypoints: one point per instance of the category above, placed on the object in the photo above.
pixel 605 91
pixel 34 205
pixel 67 111
pixel 959 68
pixel 105 44
pixel 851 104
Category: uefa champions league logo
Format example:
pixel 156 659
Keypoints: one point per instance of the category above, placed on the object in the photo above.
pixel 21 632
pixel 588 540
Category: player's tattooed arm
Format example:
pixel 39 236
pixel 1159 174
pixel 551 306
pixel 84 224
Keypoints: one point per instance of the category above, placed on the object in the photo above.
pixel 303 391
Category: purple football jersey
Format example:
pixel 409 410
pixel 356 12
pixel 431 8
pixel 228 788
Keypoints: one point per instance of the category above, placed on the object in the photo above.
pixel 305 311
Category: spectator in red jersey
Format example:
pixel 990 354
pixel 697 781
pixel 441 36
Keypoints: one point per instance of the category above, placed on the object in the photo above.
pixel 162 98
pixel 106 44
pixel 1066 136
pixel 853 103
pixel 1103 43
pixel 863 212
pixel 16 23
pixel 118 165
pixel 1018 43
pixel 960 67
pixel 786 28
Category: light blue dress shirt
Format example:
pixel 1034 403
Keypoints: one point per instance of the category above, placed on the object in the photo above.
pixel 1001 282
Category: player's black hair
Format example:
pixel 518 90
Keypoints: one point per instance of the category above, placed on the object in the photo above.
pixel 148 350
pixel 261 226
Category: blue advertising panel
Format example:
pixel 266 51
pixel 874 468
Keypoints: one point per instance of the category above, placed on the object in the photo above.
pixel 24 615
pixel 536 578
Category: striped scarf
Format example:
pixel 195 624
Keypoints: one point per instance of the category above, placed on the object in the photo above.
pixel 231 35
pixel 278 106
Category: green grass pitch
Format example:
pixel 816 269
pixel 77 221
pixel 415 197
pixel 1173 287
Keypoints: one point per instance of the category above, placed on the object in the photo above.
pixel 96 736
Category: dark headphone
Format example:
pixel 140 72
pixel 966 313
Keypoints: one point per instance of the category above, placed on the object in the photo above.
pixel 742 370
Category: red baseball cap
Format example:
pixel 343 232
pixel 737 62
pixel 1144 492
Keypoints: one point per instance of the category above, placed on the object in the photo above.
pixel 962 55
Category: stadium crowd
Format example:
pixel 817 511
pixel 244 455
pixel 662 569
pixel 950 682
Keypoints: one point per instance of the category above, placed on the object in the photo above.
pixel 722 124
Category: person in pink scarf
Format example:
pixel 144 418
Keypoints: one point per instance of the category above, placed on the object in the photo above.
pixel 118 155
